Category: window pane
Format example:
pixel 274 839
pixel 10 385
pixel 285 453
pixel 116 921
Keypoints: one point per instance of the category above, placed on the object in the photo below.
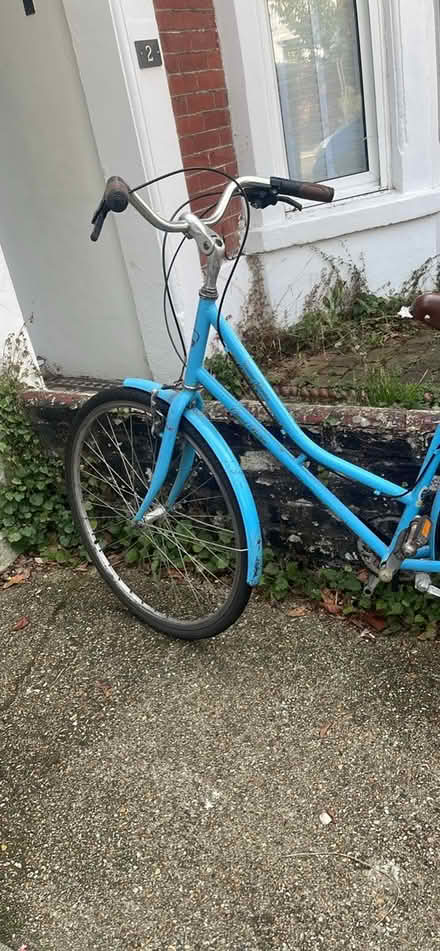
pixel 316 48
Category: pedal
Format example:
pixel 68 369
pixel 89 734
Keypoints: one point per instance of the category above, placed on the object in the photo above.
pixel 423 583
pixel 409 541
pixel 419 532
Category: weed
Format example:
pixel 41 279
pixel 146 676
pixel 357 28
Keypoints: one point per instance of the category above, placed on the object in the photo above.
pixel 386 388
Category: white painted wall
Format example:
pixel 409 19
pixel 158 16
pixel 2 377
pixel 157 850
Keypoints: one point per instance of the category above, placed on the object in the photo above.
pixel 15 342
pixel 84 319
pixel 11 319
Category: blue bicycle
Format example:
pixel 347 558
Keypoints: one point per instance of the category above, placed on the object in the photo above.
pixel 161 503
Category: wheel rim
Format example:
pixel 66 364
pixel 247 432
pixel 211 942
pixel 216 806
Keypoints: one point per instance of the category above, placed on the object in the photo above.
pixel 184 565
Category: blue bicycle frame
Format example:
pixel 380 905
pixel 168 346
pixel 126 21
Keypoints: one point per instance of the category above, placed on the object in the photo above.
pixel 188 403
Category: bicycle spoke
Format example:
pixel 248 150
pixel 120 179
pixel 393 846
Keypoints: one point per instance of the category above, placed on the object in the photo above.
pixel 182 564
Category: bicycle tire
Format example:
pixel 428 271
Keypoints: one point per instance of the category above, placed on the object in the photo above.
pixel 122 400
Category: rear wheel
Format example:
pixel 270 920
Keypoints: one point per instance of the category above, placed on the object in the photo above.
pixel 183 568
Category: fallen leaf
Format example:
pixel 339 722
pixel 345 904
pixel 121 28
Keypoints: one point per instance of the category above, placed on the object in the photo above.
pixel 325 818
pixel 324 729
pixel 329 602
pixel 4 847
pixel 21 623
pixel 298 612
pixel 17 579
pixel 374 620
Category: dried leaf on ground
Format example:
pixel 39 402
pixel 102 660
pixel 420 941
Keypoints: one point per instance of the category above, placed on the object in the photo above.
pixel 374 620
pixel 17 579
pixel 325 728
pixel 299 611
pixel 21 623
pixel 329 602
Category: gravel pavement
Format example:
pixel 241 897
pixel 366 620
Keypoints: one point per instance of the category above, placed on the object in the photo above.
pixel 159 795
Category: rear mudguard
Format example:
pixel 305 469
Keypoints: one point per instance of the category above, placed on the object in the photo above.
pixel 231 468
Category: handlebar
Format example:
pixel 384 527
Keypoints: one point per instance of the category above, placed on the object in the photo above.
pixel 310 191
pixel 260 192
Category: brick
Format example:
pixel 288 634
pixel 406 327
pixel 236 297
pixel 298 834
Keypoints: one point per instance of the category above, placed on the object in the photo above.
pixel 225 135
pixel 188 125
pixel 209 181
pixel 222 155
pixel 200 102
pixel 217 118
pixel 214 59
pixel 192 62
pixel 180 106
pixel 176 20
pixel 183 83
pixel 202 39
pixel 183 5
pixel 176 42
pixel 197 144
pixel 212 79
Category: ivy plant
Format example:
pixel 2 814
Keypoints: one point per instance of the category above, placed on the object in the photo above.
pixel 34 513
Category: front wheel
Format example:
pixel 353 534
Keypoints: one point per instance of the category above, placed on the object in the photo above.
pixel 183 568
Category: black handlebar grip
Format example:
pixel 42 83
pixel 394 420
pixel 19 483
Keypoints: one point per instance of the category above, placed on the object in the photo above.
pixel 116 194
pixel 307 190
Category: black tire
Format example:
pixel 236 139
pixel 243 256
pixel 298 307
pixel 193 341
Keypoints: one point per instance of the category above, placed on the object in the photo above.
pixel 124 400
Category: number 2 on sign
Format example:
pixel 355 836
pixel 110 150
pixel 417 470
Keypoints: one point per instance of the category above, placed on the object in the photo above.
pixel 149 52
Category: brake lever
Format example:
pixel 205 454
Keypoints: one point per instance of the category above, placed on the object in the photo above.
pixel 290 201
pixel 98 219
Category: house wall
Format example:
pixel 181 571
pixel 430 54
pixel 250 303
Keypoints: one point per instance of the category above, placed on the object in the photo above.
pixel 84 319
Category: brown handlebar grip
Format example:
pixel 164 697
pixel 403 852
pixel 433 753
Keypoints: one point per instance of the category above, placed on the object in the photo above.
pixel 307 190
pixel 116 194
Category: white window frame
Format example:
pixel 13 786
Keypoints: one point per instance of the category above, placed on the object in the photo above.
pixel 376 176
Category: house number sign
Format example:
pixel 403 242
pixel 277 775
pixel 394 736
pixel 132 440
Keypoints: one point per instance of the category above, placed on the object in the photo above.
pixel 148 53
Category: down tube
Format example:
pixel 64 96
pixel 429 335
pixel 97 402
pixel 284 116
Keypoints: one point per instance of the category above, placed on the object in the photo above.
pixel 239 412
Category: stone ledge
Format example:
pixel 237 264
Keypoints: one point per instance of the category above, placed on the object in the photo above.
pixel 378 419
pixel 390 442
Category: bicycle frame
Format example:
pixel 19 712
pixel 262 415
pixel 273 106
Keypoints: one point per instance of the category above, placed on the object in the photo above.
pixel 196 375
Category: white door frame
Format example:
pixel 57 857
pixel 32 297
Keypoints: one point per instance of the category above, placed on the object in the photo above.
pixel 135 133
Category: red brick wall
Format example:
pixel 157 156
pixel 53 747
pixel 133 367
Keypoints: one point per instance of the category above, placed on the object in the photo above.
pixel 193 61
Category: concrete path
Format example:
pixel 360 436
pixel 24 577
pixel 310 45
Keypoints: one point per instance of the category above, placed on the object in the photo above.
pixel 160 795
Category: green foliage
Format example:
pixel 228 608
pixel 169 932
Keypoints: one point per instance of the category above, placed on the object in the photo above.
pixel 34 514
pixel 225 371
pixel 386 388
pixel 399 608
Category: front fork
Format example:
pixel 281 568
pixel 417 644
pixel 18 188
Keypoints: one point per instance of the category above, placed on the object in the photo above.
pixel 169 434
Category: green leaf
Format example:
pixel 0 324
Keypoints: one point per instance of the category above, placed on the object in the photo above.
pixel 272 569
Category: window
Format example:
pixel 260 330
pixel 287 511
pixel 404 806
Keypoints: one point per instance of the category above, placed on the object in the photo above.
pixel 322 54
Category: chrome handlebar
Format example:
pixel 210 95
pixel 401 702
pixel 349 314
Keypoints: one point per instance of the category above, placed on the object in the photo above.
pixel 180 225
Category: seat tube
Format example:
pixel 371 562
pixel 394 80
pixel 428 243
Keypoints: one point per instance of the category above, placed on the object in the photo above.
pixel 206 315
